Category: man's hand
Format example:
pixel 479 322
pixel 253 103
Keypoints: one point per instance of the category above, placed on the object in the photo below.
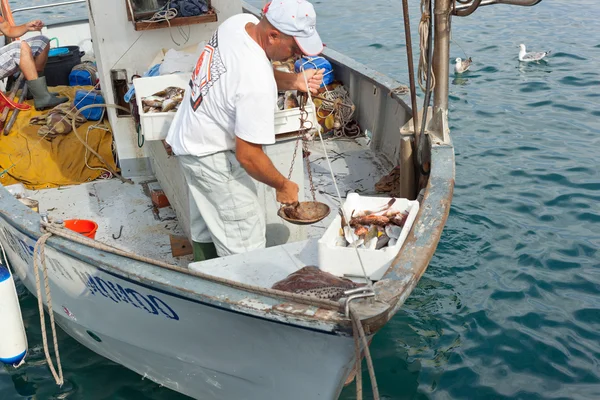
pixel 35 25
pixel 314 78
pixel 259 166
pixel 288 193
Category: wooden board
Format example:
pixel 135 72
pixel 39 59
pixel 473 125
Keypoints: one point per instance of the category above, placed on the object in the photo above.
pixel 180 246
pixel 211 16
pixel 179 21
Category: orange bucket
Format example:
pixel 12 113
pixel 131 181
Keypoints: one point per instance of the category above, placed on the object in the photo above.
pixel 85 227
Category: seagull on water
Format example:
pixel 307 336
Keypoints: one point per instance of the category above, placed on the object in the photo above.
pixel 462 66
pixel 534 56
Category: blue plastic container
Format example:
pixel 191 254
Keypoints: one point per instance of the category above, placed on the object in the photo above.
pixel 316 63
pixel 84 98
pixel 57 51
pixel 59 66
pixel 79 77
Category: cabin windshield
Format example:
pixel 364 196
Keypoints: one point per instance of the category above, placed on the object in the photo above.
pixel 146 8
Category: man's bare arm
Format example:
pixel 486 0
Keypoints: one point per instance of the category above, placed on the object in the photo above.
pixel 17 31
pixel 259 166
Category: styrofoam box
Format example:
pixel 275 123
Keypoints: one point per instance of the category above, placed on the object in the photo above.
pixel 341 261
pixel 289 120
pixel 155 126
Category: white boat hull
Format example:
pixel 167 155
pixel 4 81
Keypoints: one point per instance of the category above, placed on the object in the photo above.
pixel 197 349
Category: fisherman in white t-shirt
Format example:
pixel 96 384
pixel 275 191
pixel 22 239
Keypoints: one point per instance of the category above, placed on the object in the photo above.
pixel 228 114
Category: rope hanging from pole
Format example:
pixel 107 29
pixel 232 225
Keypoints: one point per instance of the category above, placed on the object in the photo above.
pixel 425 66
pixel 426 45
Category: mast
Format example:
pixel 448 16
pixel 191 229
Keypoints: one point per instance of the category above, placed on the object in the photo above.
pixel 441 55
pixel 441 69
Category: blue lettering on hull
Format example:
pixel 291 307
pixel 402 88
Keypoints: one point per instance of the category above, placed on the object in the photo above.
pixel 113 291
pixel 118 294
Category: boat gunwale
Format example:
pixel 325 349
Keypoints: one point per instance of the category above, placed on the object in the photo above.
pixel 410 264
pixel 160 279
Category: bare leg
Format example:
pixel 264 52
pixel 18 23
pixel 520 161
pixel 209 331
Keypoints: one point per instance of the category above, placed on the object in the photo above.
pixel 27 63
pixel 40 60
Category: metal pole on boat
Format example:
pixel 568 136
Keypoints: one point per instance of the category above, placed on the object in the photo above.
pixel 411 71
pixel 441 59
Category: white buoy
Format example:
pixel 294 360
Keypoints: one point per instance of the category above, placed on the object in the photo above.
pixel 13 341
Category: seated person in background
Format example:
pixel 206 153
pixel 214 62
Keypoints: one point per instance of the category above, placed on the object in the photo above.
pixel 30 56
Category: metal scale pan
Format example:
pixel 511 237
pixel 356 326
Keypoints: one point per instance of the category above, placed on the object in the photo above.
pixel 304 212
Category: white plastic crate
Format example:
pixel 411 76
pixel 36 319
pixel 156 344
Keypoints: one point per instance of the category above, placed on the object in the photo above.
pixel 155 126
pixel 289 120
pixel 341 261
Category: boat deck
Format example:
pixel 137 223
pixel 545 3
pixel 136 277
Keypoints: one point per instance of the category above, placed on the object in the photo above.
pixel 121 210
pixel 356 168
pixel 145 229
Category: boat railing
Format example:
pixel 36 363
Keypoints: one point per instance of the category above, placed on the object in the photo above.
pixel 64 3
pixel 467 8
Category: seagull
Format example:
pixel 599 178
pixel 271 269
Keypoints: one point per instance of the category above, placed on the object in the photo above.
pixel 528 57
pixel 462 66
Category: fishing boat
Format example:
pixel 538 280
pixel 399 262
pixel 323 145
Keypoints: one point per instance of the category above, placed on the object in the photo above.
pixel 217 329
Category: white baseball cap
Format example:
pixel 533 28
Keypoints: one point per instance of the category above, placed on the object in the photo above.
pixel 296 18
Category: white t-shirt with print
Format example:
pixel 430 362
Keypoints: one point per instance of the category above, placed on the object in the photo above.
pixel 232 93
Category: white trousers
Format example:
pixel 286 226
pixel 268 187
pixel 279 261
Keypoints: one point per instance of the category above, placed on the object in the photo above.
pixel 224 207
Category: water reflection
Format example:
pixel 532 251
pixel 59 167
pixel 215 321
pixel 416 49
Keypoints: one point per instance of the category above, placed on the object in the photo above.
pixel 460 80
pixel 541 66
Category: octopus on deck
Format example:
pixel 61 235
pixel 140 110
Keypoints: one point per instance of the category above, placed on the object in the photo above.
pixel 311 281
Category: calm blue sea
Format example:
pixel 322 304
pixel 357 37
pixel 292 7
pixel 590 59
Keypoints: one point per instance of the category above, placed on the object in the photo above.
pixel 510 305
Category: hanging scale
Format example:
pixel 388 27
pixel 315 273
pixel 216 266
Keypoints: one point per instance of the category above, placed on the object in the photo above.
pixel 304 212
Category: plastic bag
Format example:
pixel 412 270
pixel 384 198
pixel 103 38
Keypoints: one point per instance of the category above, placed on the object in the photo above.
pixel 180 61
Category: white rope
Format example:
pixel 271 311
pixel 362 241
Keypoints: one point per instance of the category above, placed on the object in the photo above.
pixel 337 190
pixel 39 252
pixel 338 94
pixel 358 363
pixel 423 41
pixel 335 96
pixel 359 333
pixel 86 144
pixel 357 325
pixel 166 14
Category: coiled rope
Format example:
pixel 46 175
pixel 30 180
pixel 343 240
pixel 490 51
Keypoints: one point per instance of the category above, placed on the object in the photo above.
pixel 338 103
pixel 166 14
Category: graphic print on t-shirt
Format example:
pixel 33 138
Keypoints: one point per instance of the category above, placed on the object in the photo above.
pixel 208 70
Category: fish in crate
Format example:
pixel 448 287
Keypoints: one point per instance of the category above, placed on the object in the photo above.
pixel 369 233
pixel 372 229
pixel 166 100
